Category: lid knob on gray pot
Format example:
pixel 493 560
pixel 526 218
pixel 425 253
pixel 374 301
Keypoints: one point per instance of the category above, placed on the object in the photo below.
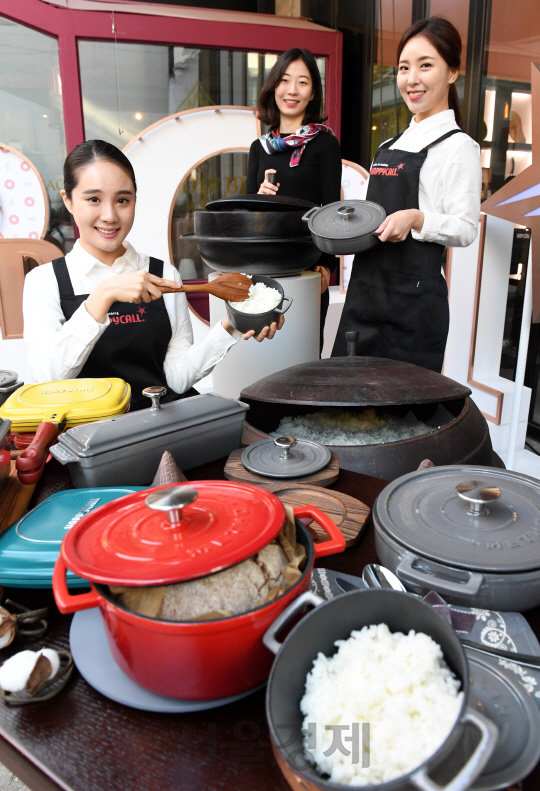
pixel 287 443
pixel 172 500
pixel 478 494
pixel 155 393
pixel 346 212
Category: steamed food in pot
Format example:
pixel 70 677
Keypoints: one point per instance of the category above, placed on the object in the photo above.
pixel 340 427
pixel 399 684
pixel 234 591
pixel 261 299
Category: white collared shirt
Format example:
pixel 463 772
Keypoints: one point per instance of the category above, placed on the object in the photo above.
pixel 58 349
pixel 450 181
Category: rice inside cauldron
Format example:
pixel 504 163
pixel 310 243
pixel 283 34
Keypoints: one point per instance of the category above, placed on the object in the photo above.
pixel 335 426
pixel 398 685
pixel 261 299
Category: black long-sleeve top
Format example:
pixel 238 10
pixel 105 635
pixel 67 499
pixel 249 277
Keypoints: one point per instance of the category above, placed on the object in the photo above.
pixel 317 178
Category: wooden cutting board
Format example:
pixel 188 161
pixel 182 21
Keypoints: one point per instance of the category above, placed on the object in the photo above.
pixel 235 471
pixel 14 499
pixel 347 512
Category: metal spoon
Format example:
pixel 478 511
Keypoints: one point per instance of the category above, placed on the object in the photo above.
pixel 376 576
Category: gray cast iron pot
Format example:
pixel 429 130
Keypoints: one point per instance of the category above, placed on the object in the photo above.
pixel 458 761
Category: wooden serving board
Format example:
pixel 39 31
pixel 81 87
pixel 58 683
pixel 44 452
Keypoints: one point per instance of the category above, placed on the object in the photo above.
pixel 349 514
pixel 14 499
pixel 235 471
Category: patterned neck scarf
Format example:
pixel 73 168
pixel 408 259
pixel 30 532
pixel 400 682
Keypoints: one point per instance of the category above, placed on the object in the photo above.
pixel 273 143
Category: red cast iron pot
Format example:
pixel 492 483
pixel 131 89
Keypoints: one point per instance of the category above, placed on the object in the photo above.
pixel 202 660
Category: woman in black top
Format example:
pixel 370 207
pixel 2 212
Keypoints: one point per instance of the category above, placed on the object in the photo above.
pixel 298 147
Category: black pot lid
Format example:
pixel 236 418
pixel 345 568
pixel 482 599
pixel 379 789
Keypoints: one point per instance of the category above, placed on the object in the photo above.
pixel 355 381
pixel 8 378
pixel 424 512
pixel 285 457
pixel 505 701
pixel 259 203
pixel 346 219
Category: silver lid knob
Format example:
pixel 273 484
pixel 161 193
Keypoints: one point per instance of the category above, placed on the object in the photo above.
pixel 172 500
pixel 346 212
pixel 478 494
pixel 286 443
pixel 155 393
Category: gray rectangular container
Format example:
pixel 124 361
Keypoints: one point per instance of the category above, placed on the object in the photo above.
pixel 126 450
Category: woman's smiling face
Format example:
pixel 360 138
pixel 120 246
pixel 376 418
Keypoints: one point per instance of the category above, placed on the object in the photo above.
pixel 424 78
pixel 294 92
pixel 103 206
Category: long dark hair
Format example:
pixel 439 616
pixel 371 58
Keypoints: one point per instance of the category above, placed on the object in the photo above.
pixel 267 109
pixel 447 41
pixel 87 152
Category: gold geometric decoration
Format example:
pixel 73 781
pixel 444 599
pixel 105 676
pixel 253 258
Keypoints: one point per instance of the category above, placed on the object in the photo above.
pixel 519 200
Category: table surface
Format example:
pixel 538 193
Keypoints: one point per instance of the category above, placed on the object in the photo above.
pixel 82 741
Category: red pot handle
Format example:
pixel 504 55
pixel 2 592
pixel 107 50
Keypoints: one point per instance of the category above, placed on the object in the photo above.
pixel 31 461
pixel 64 600
pixel 337 540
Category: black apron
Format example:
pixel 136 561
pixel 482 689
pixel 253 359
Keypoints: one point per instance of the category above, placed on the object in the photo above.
pixel 397 297
pixel 134 345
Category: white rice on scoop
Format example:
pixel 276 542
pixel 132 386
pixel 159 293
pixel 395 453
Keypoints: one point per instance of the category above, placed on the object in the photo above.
pixel 261 299
pixel 397 683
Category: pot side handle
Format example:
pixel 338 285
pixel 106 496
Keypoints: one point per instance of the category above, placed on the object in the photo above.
pixel 65 602
pixel 406 572
pixel 307 216
pixel 304 600
pixel 337 540
pixel 284 310
pixel 466 776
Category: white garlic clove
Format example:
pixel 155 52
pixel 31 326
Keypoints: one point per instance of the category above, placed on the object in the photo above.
pixel 27 670
pixel 8 627
pixel 16 671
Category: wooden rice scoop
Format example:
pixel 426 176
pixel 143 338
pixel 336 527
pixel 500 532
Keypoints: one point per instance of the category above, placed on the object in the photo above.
pixel 232 287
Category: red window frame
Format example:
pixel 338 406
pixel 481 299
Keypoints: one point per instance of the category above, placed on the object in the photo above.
pixel 68 26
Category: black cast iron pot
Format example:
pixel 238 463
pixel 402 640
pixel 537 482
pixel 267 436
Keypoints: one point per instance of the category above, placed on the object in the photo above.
pixel 245 322
pixel 458 761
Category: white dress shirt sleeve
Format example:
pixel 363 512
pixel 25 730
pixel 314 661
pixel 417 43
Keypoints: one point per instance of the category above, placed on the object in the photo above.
pixel 56 348
pixel 460 186
pixel 187 363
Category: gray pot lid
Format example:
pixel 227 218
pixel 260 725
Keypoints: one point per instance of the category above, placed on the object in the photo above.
pixel 8 378
pixel 102 436
pixel 346 219
pixel 285 457
pixel 504 700
pixel 425 514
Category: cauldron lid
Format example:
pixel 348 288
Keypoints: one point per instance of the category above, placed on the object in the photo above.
pixel 425 514
pixel 355 381
pixel 259 203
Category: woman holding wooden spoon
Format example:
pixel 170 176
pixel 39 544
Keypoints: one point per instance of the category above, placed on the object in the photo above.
pixel 100 311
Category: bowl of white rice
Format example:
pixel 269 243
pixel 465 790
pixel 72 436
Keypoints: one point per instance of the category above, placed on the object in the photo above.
pixel 263 306
pixel 371 690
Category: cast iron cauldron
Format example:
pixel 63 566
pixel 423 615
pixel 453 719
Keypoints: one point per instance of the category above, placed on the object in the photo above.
pixel 455 765
pixel 259 234
pixel 460 435
pixel 127 543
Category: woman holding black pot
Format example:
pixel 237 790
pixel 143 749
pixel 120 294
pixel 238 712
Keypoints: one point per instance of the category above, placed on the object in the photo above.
pixel 101 311
pixel 302 152
pixel 428 180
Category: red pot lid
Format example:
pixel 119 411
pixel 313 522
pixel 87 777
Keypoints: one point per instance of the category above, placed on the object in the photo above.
pixel 171 534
